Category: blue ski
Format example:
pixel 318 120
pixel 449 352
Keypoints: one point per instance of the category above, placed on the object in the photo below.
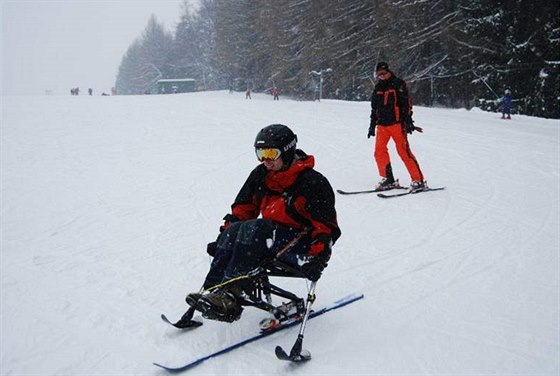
pixel 338 304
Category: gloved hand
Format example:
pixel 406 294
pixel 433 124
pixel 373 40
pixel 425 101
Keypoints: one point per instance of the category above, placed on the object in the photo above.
pixel 224 226
pixel 409 125
pixel 211 248
pixel 371 131
pixel 318 259
pixel 228 220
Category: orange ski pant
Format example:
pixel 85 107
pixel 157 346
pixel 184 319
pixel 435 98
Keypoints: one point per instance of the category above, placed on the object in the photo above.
pixel 398 134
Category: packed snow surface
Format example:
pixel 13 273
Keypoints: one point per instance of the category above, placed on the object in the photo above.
pixel 108 204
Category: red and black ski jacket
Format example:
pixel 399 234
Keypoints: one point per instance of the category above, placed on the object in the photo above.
pixel 298 197
pixel 390 103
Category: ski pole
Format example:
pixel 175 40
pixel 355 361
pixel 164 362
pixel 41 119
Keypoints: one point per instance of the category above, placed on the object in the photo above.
pixel 295 353
pixel 296 349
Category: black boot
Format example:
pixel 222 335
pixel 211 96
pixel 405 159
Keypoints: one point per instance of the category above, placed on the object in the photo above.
pixel 417 186
pixel 388 181
pixel 386 184
pixel 193 298
pixel 221 304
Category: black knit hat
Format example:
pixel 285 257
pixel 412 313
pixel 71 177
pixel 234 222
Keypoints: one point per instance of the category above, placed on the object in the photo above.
pixel 382 66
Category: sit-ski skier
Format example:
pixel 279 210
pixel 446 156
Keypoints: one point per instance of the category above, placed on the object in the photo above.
pixel 284 206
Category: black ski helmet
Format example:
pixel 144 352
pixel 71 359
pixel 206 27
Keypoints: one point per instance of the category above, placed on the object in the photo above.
pixel 381 66
pixel 278 136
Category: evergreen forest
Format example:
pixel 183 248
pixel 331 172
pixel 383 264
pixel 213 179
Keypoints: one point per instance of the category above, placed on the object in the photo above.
pixel 452 53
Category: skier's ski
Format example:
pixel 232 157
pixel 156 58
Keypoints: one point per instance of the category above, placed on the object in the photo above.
pixel 338 304
pixel 367 191
pixel 409 192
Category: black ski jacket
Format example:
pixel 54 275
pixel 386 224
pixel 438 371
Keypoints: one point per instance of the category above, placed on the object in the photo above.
pixel 390 103
pixel 299 197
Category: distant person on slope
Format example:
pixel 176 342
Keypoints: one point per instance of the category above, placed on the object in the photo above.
pixel 391 116
pixel 285 209
pixel 506 105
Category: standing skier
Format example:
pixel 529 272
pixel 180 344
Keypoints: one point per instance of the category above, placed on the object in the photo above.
pixel 506 105
pixel 285 209
pixel 391 115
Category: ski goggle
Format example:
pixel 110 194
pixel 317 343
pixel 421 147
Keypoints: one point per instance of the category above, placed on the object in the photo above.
pixel 269 154
pixel 382 74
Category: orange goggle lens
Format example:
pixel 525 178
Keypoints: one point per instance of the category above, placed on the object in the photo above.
pixel 268 154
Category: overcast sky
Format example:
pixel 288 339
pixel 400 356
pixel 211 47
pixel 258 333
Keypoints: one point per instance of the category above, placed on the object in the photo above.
pixel 60 44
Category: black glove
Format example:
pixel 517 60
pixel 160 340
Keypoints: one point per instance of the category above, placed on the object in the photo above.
pixel 228 220
pixel 211 248
pixel 313 268
pixel 371 131
pixel 409 125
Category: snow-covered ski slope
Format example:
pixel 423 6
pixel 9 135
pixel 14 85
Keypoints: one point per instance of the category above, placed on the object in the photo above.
pixel 108 203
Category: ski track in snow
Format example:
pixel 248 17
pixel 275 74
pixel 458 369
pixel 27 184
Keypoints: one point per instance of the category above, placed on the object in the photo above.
pixel 108 203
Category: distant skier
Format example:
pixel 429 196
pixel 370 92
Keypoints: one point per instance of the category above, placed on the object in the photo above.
pixel 296 208
pixel 276 93
pixel 506 105
pixel 248 94
pixel 391 115
pixel 90 91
